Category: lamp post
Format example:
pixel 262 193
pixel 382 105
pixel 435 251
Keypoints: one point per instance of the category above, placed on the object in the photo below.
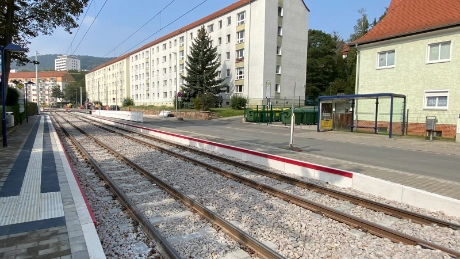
pixel 11 48
pixel 27 100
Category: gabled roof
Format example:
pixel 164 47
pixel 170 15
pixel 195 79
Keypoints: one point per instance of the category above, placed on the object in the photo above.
pixel 31 75
pixel 408 17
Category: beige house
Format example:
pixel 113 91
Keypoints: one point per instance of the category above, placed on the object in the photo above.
pixel 414 51
pixel 46 81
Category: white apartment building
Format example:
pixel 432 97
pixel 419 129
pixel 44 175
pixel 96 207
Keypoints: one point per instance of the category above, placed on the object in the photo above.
pixel 108 83
pixel 257 41
pixel 65 63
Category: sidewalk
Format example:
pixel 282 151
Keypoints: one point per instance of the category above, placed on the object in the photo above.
pixel 42 211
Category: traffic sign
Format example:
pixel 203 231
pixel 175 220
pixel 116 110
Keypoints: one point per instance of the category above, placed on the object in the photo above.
pixel 268 92
pixel 179 99
pixel 179 94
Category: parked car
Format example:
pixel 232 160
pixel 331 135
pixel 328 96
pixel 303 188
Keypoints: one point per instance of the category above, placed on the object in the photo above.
pixel 114 107
pixel 165 114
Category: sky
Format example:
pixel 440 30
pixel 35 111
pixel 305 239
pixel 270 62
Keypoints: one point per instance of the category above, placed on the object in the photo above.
pixel 107 26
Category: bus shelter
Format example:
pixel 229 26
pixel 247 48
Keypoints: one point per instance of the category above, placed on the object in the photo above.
pixel 369 112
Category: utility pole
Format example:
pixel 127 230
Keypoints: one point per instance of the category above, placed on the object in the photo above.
pixel 36 82
pixel 81 96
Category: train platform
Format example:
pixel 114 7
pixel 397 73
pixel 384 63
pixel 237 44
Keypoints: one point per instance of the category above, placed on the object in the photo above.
pixel 43 211
pixel 406 169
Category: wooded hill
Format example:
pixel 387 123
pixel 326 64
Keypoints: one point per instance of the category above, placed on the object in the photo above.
pixel 47 62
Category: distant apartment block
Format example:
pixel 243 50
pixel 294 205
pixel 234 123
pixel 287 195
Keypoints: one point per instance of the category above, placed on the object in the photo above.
pixel 65 63
pixel 46 82
pixel 257 41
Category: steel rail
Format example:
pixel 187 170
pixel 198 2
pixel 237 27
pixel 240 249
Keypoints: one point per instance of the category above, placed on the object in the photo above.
pixel 236 233
pixel 162 245
pixel 353 221
pixel 373 205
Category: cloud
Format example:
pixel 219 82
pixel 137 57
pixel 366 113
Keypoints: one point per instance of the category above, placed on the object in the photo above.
pixel 88 20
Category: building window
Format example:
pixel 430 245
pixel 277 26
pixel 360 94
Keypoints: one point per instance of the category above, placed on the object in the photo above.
pixel 239 54
pixel 219 40
pixel 219 57
pixel 280 11
pixel 210 28
pixel 278 50
pixel 228 73
pixel 436 99
pixel 220 24
pixel 280 31
pixel 386 59
pixel 277 88
pixel 229 20
pixel 175 42
pixel 240 36
pixel 164 70
pixel 181 41
pixel 191 36
pixel 241 17
pixel 164 46
pixel 219 74
pixel 278 69
pixel 210 43
pixel 164 59
pixel 228 55
pixel 240 73
pixel 439 52
pixel 238 88
pixel 181 55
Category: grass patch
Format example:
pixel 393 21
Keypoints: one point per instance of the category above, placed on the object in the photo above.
pixel 223 112
pixel 227 112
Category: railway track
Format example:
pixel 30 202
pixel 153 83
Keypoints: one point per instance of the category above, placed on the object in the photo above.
pixel 152 207
pixel 250 173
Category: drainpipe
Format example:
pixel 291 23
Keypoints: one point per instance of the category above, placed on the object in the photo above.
pixel 249 50
pixel 358 58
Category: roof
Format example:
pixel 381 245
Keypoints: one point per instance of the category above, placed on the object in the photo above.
pixel 201 21
pixel 408 17
pixel 361 96
pixel 41 74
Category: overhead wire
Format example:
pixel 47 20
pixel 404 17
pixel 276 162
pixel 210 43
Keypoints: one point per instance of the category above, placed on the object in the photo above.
pixel 165 26
pixel 89 27
pixel 159 13
pixel 79 26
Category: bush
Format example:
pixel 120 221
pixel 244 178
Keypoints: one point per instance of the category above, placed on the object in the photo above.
pixel 204 102
pixel 238 102
pixel 129 102
pixel 12 97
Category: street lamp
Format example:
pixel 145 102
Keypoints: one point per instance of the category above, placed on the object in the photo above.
pixel 27 86
pixel 11 48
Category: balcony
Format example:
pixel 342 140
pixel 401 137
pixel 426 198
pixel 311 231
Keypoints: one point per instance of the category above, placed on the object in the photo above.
pixel 240 59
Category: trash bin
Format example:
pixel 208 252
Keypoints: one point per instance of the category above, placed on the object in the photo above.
pixel 249 115
pixel 299 114
pixel 9 119
pixel 309 117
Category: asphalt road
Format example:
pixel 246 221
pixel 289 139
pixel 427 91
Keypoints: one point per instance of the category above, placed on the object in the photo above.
pixel 439 159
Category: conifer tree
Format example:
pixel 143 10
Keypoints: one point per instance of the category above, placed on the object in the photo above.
pixel 202 69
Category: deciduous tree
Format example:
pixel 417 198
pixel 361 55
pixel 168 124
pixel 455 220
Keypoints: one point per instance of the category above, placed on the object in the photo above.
pixel 321 65
pixel 22 20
